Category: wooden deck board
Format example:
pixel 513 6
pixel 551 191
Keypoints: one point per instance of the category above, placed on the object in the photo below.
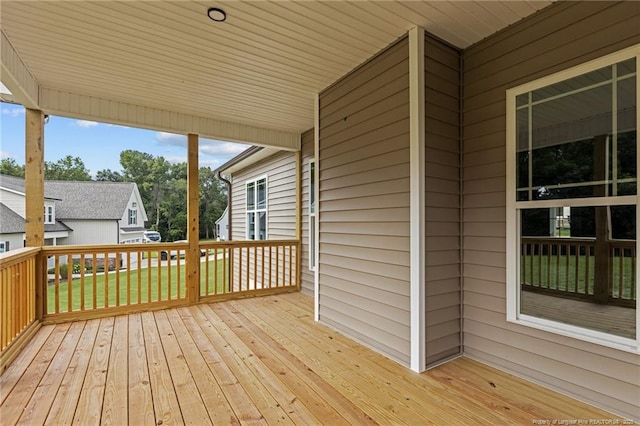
pixel 252 361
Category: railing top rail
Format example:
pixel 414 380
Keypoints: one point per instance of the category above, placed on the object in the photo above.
pixel 124 248
pixel 16 256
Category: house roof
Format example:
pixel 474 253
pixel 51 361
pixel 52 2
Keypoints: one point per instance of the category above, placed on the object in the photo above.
pixel 253 78
pixel 16 184
pixel 13 223
pixel 245 158
pixel 79 200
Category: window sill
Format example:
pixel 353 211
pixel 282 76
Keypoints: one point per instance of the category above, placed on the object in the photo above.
pixel 579 333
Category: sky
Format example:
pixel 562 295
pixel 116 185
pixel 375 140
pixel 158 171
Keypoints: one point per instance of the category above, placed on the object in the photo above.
pixel 99 144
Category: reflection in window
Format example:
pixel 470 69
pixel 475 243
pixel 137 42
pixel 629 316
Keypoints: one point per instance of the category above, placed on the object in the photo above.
pixel 575 200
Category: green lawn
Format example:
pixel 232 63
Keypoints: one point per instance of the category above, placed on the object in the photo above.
pixel 558 272
pixel 152 281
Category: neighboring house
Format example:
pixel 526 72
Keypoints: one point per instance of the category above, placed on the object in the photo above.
pixel 222 226
pixel 75 212
pixel 12 213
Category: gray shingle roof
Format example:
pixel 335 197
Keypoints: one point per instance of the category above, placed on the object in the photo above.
pixel 16 184
pixel 89 200
pixel 12 222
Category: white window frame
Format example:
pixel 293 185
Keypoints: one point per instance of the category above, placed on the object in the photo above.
pixel 255 211
pixel 49 215
pixel 513 207
pixel 4 246
pixel 313 224
pixel 132 217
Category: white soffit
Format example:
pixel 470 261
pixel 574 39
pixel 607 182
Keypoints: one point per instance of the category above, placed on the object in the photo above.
pixel 262 67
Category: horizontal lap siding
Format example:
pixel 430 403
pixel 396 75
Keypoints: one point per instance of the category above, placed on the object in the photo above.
pixel 280 170
pixel 561 36
pixel 306 276
pixel 364 204
pixel 442 183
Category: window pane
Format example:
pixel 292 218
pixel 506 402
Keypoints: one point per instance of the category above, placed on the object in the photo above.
pixel 312 188
pixel 251 197
pixel 312 242
pixel 589 79
pixel 262 194
pixel 251 226
pixel 585 279
pixel 626 140
pixel 577 139
pixel 627 67
pixel 262 217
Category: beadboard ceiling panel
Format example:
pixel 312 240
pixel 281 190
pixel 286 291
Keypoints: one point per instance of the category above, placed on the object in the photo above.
pixel 262 67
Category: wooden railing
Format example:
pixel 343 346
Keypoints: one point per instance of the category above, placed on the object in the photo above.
pixel 65 283
pixel 17 301
pixel 249 268
pixel 567 267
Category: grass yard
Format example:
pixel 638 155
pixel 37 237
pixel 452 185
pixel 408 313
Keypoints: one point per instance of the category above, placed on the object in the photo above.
pixel 146 285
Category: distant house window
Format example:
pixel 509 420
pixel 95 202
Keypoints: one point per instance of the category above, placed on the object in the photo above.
pixel 572 197
pixel 48 214
pixel 4 246
pixel 312 216
pixel 257 209
pixel 133 217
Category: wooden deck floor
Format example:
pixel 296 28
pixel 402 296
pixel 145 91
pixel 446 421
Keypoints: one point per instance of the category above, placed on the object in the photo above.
pixel 259 360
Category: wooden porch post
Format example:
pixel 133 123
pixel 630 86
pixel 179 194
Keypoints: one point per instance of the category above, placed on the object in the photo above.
pixel 193 220
pixel 34 195
pixel 34 178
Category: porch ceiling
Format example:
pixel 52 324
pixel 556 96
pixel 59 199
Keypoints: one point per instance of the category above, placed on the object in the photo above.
pixel 258 71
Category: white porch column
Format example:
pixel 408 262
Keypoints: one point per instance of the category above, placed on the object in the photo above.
pixel 417 191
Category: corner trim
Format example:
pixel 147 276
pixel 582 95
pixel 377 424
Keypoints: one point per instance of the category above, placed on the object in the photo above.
pixel 417 192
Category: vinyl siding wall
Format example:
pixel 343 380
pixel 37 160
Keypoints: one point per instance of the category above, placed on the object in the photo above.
pixel 364 259
pixel 92 231
pixel 442 209
pixel 280 171
pixel 561 36
pixel 306 275
pixel 15 202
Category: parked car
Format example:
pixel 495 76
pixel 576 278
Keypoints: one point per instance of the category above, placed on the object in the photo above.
pixel 151 237
pixel 173 254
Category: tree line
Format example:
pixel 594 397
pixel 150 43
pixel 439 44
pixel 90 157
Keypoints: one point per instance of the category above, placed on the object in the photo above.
pixel 162 186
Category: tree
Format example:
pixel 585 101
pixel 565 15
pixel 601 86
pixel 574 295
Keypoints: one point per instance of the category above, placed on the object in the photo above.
pixel 151 175
pixel 9 167
pixel 213 201
pixel 108 175
pixel 67 168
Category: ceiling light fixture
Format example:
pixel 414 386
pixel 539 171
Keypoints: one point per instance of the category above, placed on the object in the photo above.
pixel 217 14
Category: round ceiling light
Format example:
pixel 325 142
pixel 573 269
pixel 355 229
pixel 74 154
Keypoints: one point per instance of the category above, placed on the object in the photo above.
pixel 217 14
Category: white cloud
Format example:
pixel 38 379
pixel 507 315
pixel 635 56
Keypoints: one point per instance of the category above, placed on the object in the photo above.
pixel 86 123
pixel 171 139
pixel 176 159
pixel 217 148
pixel 4 155
pixel 15 111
